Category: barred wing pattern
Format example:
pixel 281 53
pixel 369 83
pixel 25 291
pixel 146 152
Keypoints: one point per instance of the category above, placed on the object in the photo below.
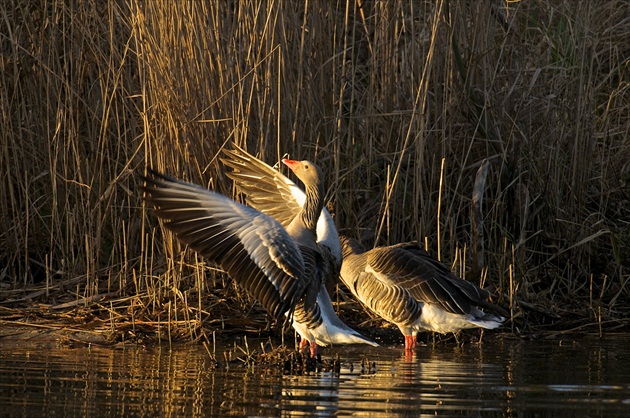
pixel 407 287
pixel 252 247
pixel 437 271
pixel 396 267
pixel 264 188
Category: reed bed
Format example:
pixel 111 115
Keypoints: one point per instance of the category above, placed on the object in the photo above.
pixel 495 133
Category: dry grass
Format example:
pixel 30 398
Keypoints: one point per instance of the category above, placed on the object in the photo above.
pixel 400 102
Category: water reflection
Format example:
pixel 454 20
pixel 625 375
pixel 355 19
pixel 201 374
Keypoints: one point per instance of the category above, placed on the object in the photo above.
pixel 498 378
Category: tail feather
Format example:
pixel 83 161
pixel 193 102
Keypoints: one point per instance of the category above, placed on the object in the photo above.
pixel 490 323
pixel 486 320
pixel 332 330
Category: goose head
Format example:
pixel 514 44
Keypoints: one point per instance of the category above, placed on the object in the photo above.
pixel 310 174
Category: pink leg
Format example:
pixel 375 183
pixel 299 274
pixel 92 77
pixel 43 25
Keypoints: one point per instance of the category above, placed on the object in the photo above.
pixel 313 349
pixel 303 345
pixel 410 342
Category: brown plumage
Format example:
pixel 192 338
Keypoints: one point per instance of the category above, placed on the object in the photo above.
pixel 404 285
pixel 280 264
pixel 269 191
pixel 253 248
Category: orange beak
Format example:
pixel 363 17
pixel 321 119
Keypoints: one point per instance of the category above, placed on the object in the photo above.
pixel 292 164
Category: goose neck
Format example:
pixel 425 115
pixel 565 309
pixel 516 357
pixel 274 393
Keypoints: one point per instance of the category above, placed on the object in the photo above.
pixel 312 207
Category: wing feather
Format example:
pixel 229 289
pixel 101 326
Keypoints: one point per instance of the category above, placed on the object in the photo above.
pixel 423 281
pixel 253 248
pixel 385 298
pixel 472 291
pixel 271 192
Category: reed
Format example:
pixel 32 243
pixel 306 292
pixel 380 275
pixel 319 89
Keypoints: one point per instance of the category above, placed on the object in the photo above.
pixel 400 102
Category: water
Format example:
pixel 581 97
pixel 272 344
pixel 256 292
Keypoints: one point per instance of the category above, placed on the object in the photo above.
pixel 501 377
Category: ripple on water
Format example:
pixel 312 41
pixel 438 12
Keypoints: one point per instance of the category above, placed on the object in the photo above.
pixel 500 377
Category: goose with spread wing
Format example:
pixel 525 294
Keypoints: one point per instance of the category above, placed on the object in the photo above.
pixel 271 192
pixel 407 287
pixel 280 265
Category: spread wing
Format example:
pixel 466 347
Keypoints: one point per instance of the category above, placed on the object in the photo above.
pixel 252 247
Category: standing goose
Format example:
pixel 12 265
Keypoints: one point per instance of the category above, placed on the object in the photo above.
pixel 280 265
pixel 272 193
pixel 407 287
